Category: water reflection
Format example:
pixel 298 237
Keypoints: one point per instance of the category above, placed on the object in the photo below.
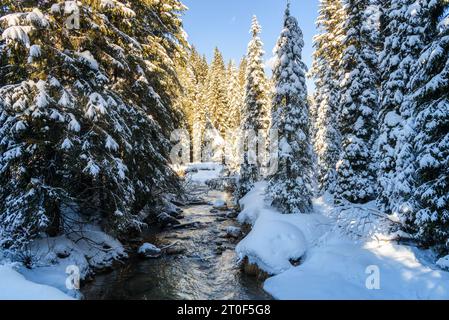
pixel 206 270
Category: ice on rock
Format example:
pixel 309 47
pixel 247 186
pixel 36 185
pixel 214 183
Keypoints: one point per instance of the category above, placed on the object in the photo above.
pixel 233 232
pixel 219 204
pixel 149 250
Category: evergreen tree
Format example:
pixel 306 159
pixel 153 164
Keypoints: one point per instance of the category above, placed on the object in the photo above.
pixel 217 98
pixel 235 98
pixel 429 219
pixel 187 98
pixel 200 107
pixel 358 103
pixel 404 31
pixel 84 113
pixel 193 76
pixel 290 188
pixel 270 91
pixel 242 71
pixel 254 117
pixel 327 56
pixel 233 119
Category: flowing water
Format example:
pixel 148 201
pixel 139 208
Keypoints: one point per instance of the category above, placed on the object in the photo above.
pixel 207 270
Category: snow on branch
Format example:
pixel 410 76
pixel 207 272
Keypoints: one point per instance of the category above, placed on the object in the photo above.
pixel 362 221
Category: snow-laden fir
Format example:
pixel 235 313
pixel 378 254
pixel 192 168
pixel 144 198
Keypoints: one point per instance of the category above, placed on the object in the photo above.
pixel 290 187
pixel 255 122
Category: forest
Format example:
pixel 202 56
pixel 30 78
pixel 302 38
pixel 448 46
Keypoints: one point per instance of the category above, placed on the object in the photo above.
pixel 114 125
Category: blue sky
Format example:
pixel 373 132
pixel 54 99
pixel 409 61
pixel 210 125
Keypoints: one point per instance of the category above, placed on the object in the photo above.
pixel 225 24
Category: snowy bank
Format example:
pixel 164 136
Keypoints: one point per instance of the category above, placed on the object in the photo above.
pixel 275 239
pixel 339 269
pixel 14 286
pixel 334 265
pixel 49 262
pixel 272 245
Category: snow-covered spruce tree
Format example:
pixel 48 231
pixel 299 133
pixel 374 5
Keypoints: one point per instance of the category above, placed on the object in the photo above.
pixel 193 76
pixel 242 72
pixel 235 98
pixel 290 188
pixel 187 100
pixel 217 98
pixel 419 15
pixel 404 31
pixel 270 90
pixel 429 221
pixel 358 104
pixel 325 70
pixel 80 119
pixel 233 120
pixel 254 117
pixel 201 70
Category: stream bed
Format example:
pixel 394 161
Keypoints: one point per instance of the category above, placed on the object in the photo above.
pixel 206 270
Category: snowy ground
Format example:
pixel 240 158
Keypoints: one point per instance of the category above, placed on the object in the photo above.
pixel 52 262
pixel 14 286
pixel 334 265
